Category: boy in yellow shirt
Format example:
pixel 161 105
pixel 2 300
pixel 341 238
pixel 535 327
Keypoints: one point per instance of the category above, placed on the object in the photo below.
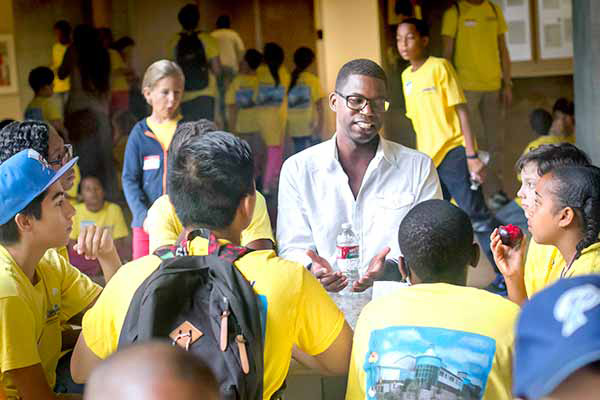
pixel 62 31
pixel 43 107
pixel 39 290
pixel 541 122
pixel 436 106
pixel 211 185
pixel 442 341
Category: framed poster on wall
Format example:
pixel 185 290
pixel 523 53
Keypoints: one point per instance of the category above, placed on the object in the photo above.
pixel 8 65
pixel 517 14
pixel 555 29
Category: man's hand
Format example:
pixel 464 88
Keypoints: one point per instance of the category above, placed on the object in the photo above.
pixel 333 281
pixel 95 242
pixel 374 272
pixel 477 169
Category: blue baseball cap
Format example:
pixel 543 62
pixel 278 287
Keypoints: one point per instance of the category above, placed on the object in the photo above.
pixel 23 177
pixel 558 332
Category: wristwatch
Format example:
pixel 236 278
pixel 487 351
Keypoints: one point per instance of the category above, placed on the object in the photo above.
pixel 472 156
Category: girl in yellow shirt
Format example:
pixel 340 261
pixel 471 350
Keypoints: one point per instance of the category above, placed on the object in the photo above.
pixel 271 101
pixel 565 214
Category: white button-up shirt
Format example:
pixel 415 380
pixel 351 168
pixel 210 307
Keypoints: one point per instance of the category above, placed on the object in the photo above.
pixel 315 199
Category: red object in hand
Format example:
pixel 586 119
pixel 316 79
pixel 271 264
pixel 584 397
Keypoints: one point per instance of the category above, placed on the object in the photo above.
pixel 511 235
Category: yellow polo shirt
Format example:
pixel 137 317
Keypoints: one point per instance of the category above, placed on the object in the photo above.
pixel 58 53
pixel 443 335
pixel 302 100
pixel 298 310
pixel 548 139
pixel 271 101
pixel 431 92
pixel 544 265
pixel 43 109
pixel 476 53
pixel 242 93
pixel 31 316
pixel 164 225
pixel 109 216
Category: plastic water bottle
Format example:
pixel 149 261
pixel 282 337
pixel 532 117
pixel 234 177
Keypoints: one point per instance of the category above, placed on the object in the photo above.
pixel 348 261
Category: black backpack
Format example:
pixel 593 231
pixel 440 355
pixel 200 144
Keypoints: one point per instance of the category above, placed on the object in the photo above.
pixel 191 57
pixel 206 306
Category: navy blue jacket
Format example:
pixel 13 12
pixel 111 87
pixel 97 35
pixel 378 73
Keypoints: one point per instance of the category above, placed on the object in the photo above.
pixel 144 171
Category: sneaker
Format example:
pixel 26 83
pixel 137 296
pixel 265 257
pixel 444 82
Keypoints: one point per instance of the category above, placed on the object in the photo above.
pixel 498 286
pixel 498 200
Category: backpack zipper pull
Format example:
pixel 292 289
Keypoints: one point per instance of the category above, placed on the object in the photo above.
pixel 224 324
pixel 241 342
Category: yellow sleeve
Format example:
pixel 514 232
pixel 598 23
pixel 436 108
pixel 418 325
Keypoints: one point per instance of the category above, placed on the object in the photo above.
pixel 98 326
pixel 319 321
pixel 117 219
pixel 163 224
pixel 260 226
pixel 408 103
pixel 18 344
pixel 231 90
pixel 452 92
pixel 51 110
pixel 450 22
pixel 315 89
pixel 211 46
pixel 502 28
pixel 77 290
pixel 116 62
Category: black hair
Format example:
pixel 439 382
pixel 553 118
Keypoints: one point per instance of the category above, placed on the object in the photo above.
pixel 122 43
pixel 64 27
pixel 404 7
pixel 360 66
pixel 105 34
pixel 185 131
pixel 208 177
pixel 189 16
pixel 89 176
pixel 223 22
pixel 436 239
pixel 579 188
pixel 540 121
pixel 303 58
pixel 9 231
pixel 273 57
pixel 21 135
pixel 551 156
pixel 420 25
pixel 40 77
pixel 253 58
pixel 92 58
pixel 5 122
pixel 564 106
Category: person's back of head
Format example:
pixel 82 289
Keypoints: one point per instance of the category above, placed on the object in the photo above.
pixel 63 28
pixel 273 56
pixel 39 78
pixel 253 58
pixel 564 106
pixel 404 8
pixel 303 58
pixel 208 178
pixel 189 17
pixel 152 371
pixel 122 43
pixel 359 66
pixel 21 135
pixel 187 130
pixel 436 239
pixel 223 22
pixel 6 122
pixel 550 156
pixel 106 37
pixel 540 121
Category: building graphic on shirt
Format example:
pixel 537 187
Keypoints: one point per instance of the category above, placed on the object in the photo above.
pixel 418 363
pixel 270 95
pixel 299 97
pixel 244 97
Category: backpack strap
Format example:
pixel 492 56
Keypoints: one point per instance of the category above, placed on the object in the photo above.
pixel 228 251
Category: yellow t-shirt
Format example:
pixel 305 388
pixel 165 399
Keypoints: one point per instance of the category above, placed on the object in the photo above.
pixel 445 339
pixel 109 216
pixel 431 92
pixel 544 265
pixel 272 104
pixel 43 109
pixel 211 50
pixel 31 315
pixel 242 93
pixel 548 139
pixel 164 225
pixel 476 53
pixel 302 101
pixel 298 310
pixel 164 131
pixel 58 53
pixel 118 82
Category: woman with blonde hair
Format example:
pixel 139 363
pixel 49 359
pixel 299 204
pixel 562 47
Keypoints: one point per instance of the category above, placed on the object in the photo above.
pixel 145 164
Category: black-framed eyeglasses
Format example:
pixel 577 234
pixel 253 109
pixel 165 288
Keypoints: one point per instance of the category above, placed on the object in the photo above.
pixel 357 102
pixel 65 158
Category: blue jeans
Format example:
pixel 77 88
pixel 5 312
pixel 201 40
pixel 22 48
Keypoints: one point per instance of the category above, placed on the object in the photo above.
pixel 455 181
pixel 302 143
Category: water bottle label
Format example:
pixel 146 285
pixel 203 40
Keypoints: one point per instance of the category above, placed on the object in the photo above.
pixel 347 252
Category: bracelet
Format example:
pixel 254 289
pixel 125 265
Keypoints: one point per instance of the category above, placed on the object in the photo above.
pixel 472 156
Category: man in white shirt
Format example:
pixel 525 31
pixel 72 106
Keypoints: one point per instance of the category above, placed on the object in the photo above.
pixel 357 177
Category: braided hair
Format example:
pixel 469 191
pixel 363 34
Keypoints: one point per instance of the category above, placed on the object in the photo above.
pixel 303 58
pixel 273 57
pixel 579 189
pixel 21 135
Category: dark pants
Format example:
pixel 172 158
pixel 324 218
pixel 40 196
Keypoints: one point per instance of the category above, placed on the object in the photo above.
pixel 198 108
pixel 302 143
pixel 64 380
pixel 455 180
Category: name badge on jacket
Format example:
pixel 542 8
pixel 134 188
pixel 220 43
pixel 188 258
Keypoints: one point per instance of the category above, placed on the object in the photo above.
pixel 151 162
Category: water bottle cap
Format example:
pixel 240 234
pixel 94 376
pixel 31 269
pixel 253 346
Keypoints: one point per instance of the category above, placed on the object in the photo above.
pixel 346 225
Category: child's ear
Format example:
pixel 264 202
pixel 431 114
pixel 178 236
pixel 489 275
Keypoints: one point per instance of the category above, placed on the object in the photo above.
pixel 333 101
pixel 425 40
pixel 24 222
pixel 567 216
pixel 146 92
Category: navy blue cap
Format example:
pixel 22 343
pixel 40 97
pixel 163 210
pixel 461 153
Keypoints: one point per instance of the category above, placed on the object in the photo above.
pixel 23 177
pixel 558 332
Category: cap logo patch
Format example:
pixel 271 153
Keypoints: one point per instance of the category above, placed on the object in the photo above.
pixel 571 307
